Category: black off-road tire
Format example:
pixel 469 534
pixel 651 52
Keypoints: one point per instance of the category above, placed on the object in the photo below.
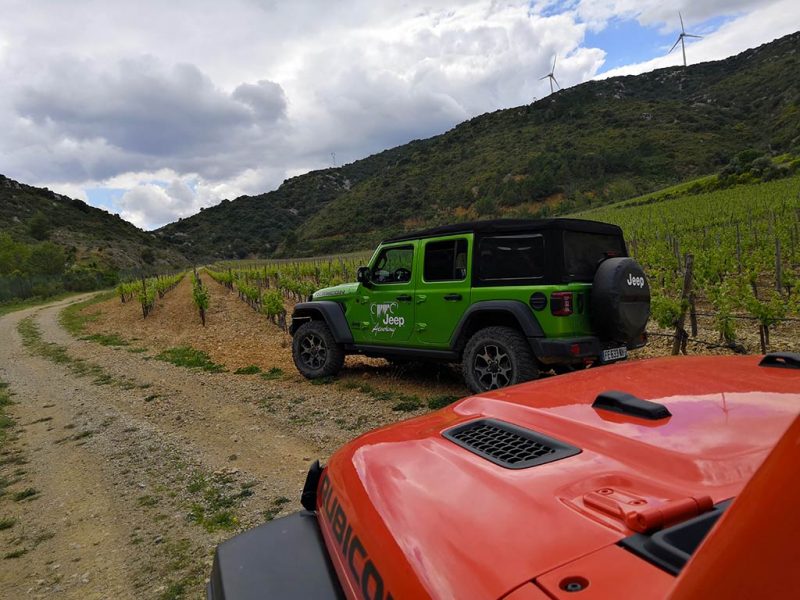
pixel 496 357
pixel 314 351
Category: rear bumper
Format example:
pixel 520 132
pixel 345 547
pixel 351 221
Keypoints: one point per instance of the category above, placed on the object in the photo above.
pixel 285 558
pixel 555 351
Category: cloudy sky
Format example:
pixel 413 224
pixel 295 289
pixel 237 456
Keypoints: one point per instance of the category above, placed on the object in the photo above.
pixel 154 109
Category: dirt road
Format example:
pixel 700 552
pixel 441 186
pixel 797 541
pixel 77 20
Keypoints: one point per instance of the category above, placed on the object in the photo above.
pixel 122 472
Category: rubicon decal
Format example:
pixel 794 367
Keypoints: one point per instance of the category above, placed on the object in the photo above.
pixel 339 290
pixel 634 281
pixel 354 554
pixel 384 319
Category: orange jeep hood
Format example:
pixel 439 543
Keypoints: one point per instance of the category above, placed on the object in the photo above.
pixel 407 513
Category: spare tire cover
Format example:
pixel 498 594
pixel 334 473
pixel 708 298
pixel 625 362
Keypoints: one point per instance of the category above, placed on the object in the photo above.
pixel 620 300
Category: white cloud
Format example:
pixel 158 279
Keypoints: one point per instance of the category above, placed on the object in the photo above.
pixel 184 103
pixel 146 205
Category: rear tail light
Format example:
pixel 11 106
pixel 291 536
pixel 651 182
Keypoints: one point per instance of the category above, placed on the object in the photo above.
pixel 561 304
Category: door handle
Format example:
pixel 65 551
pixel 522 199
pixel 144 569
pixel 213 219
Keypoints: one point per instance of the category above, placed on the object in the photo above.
pixel 403 298
pixel 452 297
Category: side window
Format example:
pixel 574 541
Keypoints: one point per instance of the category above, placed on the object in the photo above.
pixel 393 265
pixel 446 261
pixel 511 257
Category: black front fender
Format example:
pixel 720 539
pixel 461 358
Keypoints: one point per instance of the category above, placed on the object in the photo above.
pixel 324 310
pixel 285 558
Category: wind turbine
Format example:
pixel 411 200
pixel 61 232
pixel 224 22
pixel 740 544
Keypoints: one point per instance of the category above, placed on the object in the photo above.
pixel 551 75
pixel 680 39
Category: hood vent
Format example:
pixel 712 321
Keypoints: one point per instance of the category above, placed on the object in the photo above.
pixel 507 445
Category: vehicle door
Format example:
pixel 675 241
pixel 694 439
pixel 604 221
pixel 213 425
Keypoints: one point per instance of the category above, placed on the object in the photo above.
pixel 443 289
pixel 384 309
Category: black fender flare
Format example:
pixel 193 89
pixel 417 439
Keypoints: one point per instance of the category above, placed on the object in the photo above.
pixel 522 313
pixel 323 310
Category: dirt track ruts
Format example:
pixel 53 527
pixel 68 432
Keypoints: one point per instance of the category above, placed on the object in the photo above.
pixel 110 468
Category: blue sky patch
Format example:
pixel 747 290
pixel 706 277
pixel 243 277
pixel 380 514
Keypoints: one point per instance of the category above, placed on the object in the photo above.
pixel 627 42
pixel 105 198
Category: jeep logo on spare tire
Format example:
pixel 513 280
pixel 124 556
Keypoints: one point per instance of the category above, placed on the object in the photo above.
pixel 635 281
pixel 620 300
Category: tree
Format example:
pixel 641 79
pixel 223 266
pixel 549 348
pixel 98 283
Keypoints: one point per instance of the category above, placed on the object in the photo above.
pixel 13 255
pixel 148 256
pixel 39 227
pixel 46 259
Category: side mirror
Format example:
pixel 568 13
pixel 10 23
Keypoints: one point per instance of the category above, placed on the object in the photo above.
pixel 362 275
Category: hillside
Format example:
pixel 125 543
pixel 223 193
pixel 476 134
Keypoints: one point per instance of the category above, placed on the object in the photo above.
pixel 89 235
pixel 597 142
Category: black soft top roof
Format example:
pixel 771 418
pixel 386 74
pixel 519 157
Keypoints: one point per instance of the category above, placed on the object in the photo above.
pixel 510 226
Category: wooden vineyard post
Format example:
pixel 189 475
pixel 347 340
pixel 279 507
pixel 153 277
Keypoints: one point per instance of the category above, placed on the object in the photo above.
pixel 738 248
pixel 144 295
pixel 679 344
pixel 676 249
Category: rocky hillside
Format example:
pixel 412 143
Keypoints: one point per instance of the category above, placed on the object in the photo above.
pixel 597 142
pixel 88 235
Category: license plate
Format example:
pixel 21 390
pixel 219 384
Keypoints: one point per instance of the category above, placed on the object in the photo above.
pixel 613 354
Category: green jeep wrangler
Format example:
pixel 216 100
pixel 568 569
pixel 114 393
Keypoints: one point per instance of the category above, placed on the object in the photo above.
pixel 506 298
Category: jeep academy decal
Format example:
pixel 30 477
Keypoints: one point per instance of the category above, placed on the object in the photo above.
pixel 383 318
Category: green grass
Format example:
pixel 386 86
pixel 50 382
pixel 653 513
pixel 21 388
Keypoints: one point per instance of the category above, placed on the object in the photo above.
pixel 148 501
pixel 7 523
pixel 213 520
pixel 197 483
pixel 9 307
pixel 407 404
pixel 15 553
pixel 437 402
pixel 214 501
pixel 360 421
pixel 175 591
pixel 72 318
pixel 276 508
pixel 6 422
pixel 273 373
pixel 248 370
pixel 25 494
pixel 186 356
pixel 402 403
pixel 106 339
pixel 33 341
